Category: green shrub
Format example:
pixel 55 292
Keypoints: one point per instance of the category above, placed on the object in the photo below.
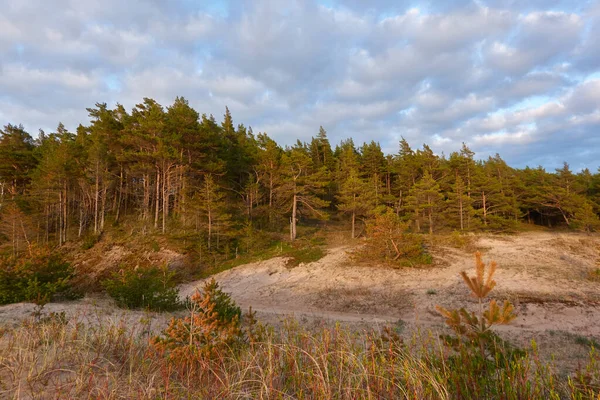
pixel 594 275
pixel 302 254
pixel 89 241
pixel 155 246
pixel 149 288
pixel 39 278
pixel 225 307
pixel 460 241
pixel 413 251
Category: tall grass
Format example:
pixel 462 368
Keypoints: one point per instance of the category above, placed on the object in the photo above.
pixel 54 359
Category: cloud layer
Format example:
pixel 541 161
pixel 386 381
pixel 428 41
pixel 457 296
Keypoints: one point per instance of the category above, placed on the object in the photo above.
pixel 521 79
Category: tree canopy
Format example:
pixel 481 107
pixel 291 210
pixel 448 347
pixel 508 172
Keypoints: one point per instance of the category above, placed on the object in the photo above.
pixel 172 170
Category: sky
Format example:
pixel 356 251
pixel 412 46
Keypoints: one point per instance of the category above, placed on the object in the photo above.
pixel 518 78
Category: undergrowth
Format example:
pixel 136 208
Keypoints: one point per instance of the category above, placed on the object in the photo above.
pixel 151 288
pixel 115 360
pixel 37 277
pixel 216 352
pixel 300 251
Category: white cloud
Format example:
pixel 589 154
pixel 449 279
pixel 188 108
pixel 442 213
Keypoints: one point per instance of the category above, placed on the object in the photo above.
pixel 21 77
pixel 502 138
pixel 502 77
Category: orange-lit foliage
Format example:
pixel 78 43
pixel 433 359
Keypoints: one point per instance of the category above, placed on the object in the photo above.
pixel 476 329
pixel 204 333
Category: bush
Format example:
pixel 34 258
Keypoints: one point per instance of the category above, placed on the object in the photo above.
pixel 149 288
pixel 225 307
pixel 389 241
pixel 212 327
pixel 303 255
pixel 90 241
pixel 38 278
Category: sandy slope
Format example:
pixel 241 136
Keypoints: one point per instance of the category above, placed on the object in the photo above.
pixel 544 274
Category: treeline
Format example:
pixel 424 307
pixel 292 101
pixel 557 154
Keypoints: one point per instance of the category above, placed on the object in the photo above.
pixel 175 171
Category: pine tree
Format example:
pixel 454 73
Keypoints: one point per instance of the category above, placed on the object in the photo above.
pixel 458 204
pixel 98 139
pixel 425 198
pixel 406 172
pixel 211 207
pixel 530 194
pixel 17 227
pixel 428 162
pixel 320 151
pixel 462 167
pixel 56 182
pixel 168 167
pixel 354 198
pixel 148 155
pixel 585 218
pixel 347 158
pixel 493 194
pixel 268 168
pixel 183 126
pixel 475 329
pixel 373 167
pixel 16 160
pixel 301 186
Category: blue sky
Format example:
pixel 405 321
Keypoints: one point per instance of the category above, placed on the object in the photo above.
pixel 519 78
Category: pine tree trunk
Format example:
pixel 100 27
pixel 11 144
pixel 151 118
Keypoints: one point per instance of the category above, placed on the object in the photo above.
pixel 146 208
pixel 430 213
pixel 96 199
pixel 120 196
pixel 484 208
pixel 80 231
pixel 293 219
pixel 353 212
pixel 103 206
pixel 469 196
pixel 47 211
pixel 565 217
pixel 165 203
pixel 14 236
pixel 65 212
pixel 399 203
pixel 388 184
pixel 209 226
pixel 417 222
pixel 60 218
pixel 157 200
pixel 182 210
pixel 460 210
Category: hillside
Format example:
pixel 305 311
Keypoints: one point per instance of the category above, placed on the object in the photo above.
pixel 545 274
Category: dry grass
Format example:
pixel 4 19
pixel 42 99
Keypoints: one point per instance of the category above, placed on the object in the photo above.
pixel 58 360
pixel 466 242
pixel 54 359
